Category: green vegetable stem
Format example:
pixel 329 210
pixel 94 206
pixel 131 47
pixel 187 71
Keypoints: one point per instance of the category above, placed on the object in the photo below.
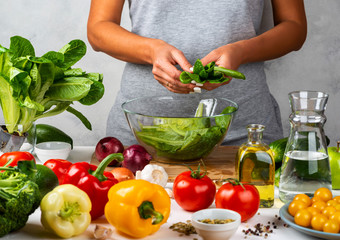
pixel 34 87
pixel 209 73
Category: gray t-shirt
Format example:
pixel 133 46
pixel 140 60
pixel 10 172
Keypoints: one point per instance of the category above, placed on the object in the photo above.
pixel 196 28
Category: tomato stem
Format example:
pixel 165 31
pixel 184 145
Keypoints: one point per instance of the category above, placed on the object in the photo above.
pixel 197 174
pixel 234 182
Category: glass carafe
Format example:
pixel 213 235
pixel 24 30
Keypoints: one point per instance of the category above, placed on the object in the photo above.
pixel 256 165
pixel 305 166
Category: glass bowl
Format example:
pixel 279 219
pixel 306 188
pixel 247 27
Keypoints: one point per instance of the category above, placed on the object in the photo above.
pixel 179 128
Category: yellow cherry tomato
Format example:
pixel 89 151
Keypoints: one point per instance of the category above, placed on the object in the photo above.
pixel 303 197
pixel 313 210
pixel 320 205
pixel 337 207
pixel 328 211
pixel 316 199
pixel 324 193
pixel 332 202
pixel 303 217
pixel 335 216
pixel 318 221
pixel 295 206
pixel 331 226
pixel 337 198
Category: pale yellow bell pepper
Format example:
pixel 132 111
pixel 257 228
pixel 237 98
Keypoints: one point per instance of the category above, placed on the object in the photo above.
pixel 65 211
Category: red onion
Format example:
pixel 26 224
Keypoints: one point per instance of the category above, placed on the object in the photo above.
pixel 136 158
pixel 106 146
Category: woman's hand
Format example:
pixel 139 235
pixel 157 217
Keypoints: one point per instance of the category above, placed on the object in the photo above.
pixel 288 34
pixel 105 34
pixel 164 58
pixel 227 56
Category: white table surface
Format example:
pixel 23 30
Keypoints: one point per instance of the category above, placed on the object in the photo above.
pixel 34 229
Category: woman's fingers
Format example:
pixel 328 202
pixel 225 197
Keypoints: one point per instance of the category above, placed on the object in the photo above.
pixel 173 84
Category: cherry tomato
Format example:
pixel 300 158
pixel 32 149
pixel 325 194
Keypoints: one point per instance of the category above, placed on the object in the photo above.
pixel 14 157
pixel 192 191
pixel 328 211
pixel 303 217
pixel 337 198
pixel 324 193
pixel 320 205
pixel 335 216
pixel 295 206
pixel 318 221
pixel 332 202
pixel 313 210
pixel 337 207
pixel 303 197
pixel 316 199
pixel 244 199
pixel 331 226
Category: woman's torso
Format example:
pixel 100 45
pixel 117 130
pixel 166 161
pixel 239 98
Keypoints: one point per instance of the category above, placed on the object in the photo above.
pixel 196 28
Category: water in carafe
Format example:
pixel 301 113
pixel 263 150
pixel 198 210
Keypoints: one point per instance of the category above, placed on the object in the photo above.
pixel 305 166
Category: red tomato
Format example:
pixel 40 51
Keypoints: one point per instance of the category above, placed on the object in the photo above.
pixel 59 167
pixel 14 157
pixel 193 192
pixel 244 200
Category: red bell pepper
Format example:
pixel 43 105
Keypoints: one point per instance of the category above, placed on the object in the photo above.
pixel 59 167
pixel 10 159
pixel 94 181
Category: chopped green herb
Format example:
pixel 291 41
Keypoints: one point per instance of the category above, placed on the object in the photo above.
pixel 209 73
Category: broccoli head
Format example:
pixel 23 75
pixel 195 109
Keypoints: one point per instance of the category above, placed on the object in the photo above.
pixel 19 197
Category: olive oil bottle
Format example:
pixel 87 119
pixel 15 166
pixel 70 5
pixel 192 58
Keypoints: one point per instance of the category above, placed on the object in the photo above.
pixel 256 165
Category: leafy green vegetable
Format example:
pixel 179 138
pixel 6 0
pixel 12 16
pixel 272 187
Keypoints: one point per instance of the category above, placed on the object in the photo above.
pixel 34 87
pixel 186 138
pixel 209 73
pixel 223 121
pixel 19 197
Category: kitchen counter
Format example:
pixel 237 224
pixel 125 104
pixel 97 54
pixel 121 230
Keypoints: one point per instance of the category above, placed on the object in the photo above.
pixel 34 229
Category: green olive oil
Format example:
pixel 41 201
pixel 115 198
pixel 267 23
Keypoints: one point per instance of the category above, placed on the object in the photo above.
pixel 255 165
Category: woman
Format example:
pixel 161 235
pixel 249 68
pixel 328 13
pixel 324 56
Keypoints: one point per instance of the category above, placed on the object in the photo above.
pixel 167 37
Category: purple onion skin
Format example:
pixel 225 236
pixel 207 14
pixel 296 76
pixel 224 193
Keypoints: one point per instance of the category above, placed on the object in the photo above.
pixel 106 146
pixel 136 158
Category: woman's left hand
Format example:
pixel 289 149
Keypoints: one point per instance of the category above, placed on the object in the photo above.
pixel 227 56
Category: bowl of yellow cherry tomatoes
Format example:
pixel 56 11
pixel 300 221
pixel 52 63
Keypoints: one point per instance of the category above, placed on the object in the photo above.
pixel 318 215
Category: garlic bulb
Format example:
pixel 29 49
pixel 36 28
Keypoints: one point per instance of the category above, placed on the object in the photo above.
pixel 170 192
pixel 154 174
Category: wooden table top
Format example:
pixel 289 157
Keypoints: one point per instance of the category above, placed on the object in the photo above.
pixel 220 164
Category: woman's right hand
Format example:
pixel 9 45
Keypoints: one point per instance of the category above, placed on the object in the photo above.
pixel 164 59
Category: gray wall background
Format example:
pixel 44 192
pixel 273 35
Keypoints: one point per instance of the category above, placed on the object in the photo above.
pixel 49 25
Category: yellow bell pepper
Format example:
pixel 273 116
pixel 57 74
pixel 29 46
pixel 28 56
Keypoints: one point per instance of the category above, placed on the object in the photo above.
pixel 137 208
pixel 65 211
